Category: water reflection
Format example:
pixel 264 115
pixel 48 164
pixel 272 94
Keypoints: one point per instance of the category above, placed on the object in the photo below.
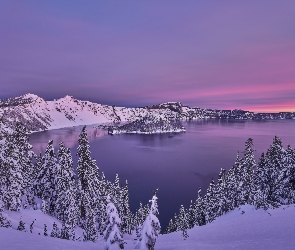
pixel 69 136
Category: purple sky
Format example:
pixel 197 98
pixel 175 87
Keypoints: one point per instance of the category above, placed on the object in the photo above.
pixel 210 54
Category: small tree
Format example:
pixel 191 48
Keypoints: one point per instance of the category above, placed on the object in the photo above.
pixel 151 228
pixel 45 230
pixel 21 225
pixel 55 231
pixel 112 233
pixel 32 226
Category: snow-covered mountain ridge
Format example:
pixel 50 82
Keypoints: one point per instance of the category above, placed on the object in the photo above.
pixel 37 114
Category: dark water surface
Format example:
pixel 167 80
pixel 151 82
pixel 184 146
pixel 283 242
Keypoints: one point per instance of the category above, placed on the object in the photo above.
pixel 177 163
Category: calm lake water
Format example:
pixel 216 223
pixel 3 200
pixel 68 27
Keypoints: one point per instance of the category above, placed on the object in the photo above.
pixel 177 163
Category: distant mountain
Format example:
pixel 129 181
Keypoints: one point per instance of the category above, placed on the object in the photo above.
pixel 37 114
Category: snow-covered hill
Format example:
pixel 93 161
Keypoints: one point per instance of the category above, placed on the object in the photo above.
pixel 243 229
pixel 37 114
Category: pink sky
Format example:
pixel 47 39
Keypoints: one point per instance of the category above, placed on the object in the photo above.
pixel 202 53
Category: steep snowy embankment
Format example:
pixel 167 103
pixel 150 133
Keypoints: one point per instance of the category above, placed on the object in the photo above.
pixel 251 229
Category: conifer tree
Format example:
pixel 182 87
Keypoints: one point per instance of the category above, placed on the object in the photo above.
pixel 210 203
pixel 32 226
pixel 13 182
pixel 248 165
pixel 200 219
pixel 183 222
pixel 45 230
pixel 88 180
pixel 288 176
pixel 171 227
pixel 21 225
pixel 112 228
pixel 151 228
pixel 45 185
pixel 273 175
pixel 66 207
pixel 222 194
pixel 55 232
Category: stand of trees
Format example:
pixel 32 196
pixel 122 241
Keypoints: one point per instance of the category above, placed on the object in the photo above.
pixel 101 207
pixel 87 200
pixel 266 184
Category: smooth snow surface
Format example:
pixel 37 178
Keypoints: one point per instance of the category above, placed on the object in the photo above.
pixel 253 229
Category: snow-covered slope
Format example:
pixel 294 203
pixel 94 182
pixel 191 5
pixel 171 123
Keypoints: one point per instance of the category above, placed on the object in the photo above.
pixel 37 114
pixel 242 229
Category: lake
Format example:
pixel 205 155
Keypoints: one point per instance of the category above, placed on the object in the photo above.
pixel 176 163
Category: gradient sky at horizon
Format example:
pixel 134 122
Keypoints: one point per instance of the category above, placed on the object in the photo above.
pixel 209 54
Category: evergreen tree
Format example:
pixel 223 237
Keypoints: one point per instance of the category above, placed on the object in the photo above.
pixel 32 226
pixel 88 181
pixel 55 232
pixel 112 228
pixel 233 181
pixel 210 203
pixel 200 218
pixel 248 165
pixel 183 222
pixel 171 227
pixel 140 216
pixel 66 207
pixel 222 194
pixel 45 230
pixel 21 225
pixel 12 176
pixel 151 228
pixel 288 176
pixel 45 185
pixel 273 176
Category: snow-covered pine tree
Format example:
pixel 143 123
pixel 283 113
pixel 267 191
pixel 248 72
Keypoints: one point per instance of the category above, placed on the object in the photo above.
pixel 45 233
pixel 191 215
pixel 248 165
pixel 88 183
pixel 25 160
pixel 55 232
pixel 260 200
pixel 171 227
pixel 288 174
pixel 139 219
pixel 233 180
pixel 183 222
pixel 211 203
pixel 45 185
pixel 126 215
pixel 112 228
pixel 21 225
pixel 274 175
pixel 222 194
pixel 66 207
pixel 200 219
pixel 12 176
pixel 151 228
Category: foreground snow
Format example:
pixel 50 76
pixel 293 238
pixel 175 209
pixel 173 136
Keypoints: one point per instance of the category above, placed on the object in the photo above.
pixel 241 229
